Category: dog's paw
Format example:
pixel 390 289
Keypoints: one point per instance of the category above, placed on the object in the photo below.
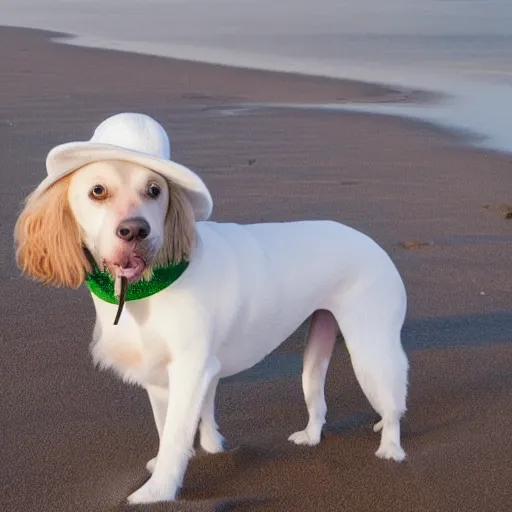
pixel 150 466
pixel 212 441
pixel 378 426
pixel 305 437
pixel 151 492
pixel 390 451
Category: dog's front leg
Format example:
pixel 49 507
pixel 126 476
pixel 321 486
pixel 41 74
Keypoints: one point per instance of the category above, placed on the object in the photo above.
pixel 158 398
pixel 189 379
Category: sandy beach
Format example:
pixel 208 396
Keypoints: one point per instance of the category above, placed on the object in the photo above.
pixel 75 439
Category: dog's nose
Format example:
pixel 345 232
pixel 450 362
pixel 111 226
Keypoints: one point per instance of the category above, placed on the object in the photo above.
pixel 133 229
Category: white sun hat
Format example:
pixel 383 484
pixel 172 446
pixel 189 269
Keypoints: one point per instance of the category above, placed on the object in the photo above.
pixel 135 138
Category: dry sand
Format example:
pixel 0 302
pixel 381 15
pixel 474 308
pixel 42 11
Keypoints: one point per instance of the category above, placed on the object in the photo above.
pixel 76 439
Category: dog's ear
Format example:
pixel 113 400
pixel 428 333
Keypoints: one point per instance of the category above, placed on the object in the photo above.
pixel 179 229
pixel 48 241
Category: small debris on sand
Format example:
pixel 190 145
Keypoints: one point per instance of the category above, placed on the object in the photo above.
pixel 505 210
pixel 415 244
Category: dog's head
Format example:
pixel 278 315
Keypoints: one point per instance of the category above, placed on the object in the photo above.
pixel 129 218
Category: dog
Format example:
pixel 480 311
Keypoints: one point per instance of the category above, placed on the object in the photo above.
pixel 117 208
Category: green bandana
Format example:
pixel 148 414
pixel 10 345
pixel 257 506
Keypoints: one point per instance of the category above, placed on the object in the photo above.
pixel 102 284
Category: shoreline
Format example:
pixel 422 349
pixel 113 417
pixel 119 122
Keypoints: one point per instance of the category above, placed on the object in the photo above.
pixel 463 56
pixel 454 105
pixel 388 93
pixel 442 100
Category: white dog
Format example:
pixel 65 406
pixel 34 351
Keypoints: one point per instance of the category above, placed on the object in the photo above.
pixel 206 300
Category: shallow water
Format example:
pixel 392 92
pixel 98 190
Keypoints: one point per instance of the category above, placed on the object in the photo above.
pixel 459 47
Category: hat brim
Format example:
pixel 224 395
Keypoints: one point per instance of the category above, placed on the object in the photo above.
pixel 67 158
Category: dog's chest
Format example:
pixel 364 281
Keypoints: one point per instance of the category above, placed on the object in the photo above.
pixel 138 356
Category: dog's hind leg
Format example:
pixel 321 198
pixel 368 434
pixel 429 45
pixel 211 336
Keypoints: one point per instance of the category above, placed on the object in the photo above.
pixel 210 439
pixel 385 385
pixel 380 365
pixel 320 343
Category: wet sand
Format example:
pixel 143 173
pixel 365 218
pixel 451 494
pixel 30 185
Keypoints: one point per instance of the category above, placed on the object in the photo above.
pixel 77 439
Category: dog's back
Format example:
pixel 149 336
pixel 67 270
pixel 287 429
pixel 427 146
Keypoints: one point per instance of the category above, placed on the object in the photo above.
pixel 272 277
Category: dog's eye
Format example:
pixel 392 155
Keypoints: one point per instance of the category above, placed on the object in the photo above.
pixel 98 192
pixel 153 190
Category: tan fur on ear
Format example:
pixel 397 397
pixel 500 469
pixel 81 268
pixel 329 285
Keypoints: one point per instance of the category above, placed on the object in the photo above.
pixel 179 229
pixel 48 241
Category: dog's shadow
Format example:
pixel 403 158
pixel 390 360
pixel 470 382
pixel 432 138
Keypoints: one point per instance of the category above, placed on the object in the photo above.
pixel 184 505
pixel 354 423
pixel 215 469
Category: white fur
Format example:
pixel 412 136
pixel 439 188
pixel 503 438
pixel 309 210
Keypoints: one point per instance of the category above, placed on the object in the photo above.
pixel 246 290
